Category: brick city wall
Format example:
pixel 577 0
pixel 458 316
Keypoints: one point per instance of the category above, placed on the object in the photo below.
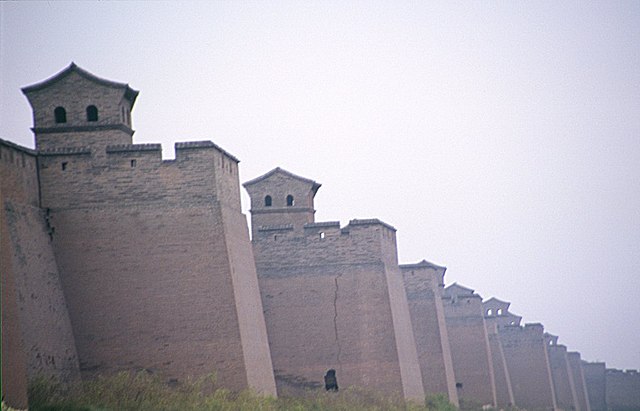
pixel 423 284
pixel 113 259
pixel 525 351
pixel 328 304
pixel 575 365
pixel 562 375
pixel 33 293
pixel 470 351
pixel 595 381
pixel 623 390
pixel 127 225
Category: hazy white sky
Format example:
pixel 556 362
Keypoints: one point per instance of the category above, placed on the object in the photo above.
pixel 501 139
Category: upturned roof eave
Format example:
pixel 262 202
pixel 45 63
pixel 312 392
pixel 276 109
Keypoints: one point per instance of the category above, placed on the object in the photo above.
pixel 129 93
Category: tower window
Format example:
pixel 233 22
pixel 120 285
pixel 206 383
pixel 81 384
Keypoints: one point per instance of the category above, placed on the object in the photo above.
pixel 92 113
pixel 289 200
pixel 64 165
pixel 60 115
pixel 267 201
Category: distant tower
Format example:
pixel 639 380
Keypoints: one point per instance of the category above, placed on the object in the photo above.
pixel 281 198
pixel 74 108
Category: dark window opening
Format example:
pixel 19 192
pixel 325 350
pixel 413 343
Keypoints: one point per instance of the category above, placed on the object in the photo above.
pixel 267 201
pixel 458 385
pixel 290 200
pixel 64 165
pixel 133 163
pixel 92 113
pixel 330 380
pixel 60 115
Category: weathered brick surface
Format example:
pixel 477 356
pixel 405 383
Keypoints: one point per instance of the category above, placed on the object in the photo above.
pixel 525 351
pixel 37 329
pixel 504 391
pixel 470 351
pixel 14 360
pixel 333 297
pixel 562 376
pixel 575 366
pixel 171 270
pixel 595 383
pixel 423 284
pixel 623 390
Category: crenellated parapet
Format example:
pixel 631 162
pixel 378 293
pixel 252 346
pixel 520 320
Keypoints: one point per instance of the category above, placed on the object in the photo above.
pixel 73 177
pixel 369 241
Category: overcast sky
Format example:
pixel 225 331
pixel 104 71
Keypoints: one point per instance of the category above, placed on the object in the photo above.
pixel 501 139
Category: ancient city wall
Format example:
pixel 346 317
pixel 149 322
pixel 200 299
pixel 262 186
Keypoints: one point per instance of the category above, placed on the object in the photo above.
pixel 504 391
pixel 423 284
pixel 14 360
pixel 154 249
pixel 328 304
pixel 575 365
pixel 470 351
pixel 30 275
pixel 496 315
pixel 526 355
pixel 562 375
pixel 623 389
pixel 595 383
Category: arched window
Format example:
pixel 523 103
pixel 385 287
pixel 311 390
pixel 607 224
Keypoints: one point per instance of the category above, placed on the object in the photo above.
pixel 489 312
pixel 92 113
pixel 499 311
pixel 267 201
pixel 60 115
pixel 289 200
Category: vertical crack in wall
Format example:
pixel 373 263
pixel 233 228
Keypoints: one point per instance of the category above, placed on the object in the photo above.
pixel 335 321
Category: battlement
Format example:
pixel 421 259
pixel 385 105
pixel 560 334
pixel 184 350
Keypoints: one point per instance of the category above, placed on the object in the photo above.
pixel 276 228
pixel 369 222
pixel 128 148
pixel 617 372
pixel 119 174
pixel 64 151
pixel 204 144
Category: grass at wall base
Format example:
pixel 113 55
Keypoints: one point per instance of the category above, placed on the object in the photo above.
pixel 147 392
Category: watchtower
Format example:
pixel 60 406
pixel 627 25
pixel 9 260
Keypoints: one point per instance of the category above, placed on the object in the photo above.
pixel 281 198
pixel 75 108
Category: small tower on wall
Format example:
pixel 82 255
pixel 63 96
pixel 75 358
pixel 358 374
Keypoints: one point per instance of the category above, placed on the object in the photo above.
pixel 281 198
pixel 75 108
